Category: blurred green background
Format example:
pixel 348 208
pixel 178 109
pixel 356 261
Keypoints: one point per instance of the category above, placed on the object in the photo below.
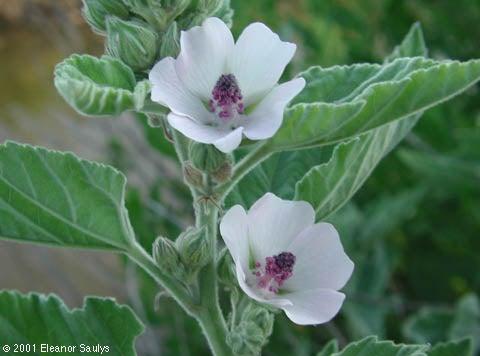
pixel 413 229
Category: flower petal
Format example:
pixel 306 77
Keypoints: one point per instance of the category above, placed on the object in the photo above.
pixel 258 60
pixel 231 141
pixel 321 261
pixel 203 56
pixel 267 117
pixel 168 90
pixel 234 231
pixel 253 293
pixel 196 131
pixel 315 306
pixel 274 223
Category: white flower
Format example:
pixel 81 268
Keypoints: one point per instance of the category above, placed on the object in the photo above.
pixel 218 90
pixel 284 259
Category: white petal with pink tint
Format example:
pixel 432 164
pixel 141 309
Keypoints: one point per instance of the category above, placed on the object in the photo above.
pixel 218 90
pixel 284 259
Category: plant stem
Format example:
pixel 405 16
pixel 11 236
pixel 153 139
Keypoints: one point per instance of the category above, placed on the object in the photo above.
pixel 211 317
pixel 242 168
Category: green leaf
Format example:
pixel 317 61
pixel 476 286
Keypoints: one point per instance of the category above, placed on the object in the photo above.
pixel 428 325
pixel 329 348
pixel 372 346
pixel 58 199
pixel 277 175
pixel 327 187
pixel 99 87
pixel 435 325
pixel 467 320
pixel 390 92
pixel 330 185
pixel 412 45
pixel 453 348
pixel 38 319
pixel 443 169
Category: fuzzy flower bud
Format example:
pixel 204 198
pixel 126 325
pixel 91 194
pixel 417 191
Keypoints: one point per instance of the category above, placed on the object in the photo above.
pixel 210 7
pixel 223 173
pixel 193 248
pixel 134 42
pixel 158 13
pixel 167 257
pixel 206 157
pixel 170 46
pixel 95 13
pixel 252 332
pixel 192 175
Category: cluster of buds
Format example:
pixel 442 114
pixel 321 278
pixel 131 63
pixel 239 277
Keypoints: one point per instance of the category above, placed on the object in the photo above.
pixel 184 257
pixel 139 32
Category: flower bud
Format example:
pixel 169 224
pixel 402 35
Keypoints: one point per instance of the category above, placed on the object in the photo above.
pixel 167 257
pixel 158 13
pixel 134 42
pixel 226 269
pixel 95 13
pixel 170 46
pixel 223 173
pixel 252 332
pixel 193 248
pixel 151 11
pixel 210 7
pixel 206 157
pixel 192 175
pixel 261 317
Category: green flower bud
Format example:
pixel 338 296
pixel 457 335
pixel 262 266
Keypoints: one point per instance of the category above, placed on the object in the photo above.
pixel 151 11
pixel 226 269
pixel 223 173
pixel 192 175
pixel 170 42
pixel 167 257
pixel 95 13
pixel 206 157
pixel 193 248
pixel 261 317
pixel 252 332
pixel 210 7
pixel 133 42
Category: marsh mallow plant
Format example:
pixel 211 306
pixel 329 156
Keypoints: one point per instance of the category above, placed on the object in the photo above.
pixel 227 111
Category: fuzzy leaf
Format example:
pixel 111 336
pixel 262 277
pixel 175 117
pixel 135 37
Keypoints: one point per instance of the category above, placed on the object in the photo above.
pixel 38 319
pixel 453 348
pixel 99 86
pixel 352 162
pixel 58 199
pixel 375 94
pixel 329 348
pixel 330 185
pixel 412 45
pixel 372 346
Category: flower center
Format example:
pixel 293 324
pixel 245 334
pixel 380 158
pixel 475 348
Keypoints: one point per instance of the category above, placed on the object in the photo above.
pixel 227 97
pixel 276 271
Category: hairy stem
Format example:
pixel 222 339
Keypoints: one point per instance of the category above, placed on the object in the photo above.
pixel 210 317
